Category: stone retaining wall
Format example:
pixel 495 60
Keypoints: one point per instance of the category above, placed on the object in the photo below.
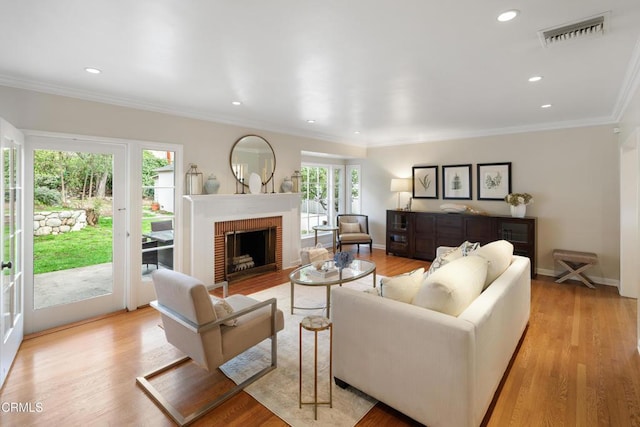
pixel 46 223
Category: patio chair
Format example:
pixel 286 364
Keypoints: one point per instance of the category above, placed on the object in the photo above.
pixel 354 230
pixel 191 324
pixel 150 257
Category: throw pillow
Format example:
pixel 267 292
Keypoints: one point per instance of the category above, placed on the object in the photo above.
pixel 453 287
pixel 498 254
pixel 453 254
pixel 402 287
pixel 467 247
pixel 349 227
pixel 223 309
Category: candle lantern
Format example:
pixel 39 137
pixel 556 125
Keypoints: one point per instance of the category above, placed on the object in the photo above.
pixel 295 178
pixel 194 180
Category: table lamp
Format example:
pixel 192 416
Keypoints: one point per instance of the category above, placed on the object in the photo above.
pixel 400 185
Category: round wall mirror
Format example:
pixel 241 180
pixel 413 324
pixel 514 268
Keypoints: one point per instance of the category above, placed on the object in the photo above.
pixel 252 154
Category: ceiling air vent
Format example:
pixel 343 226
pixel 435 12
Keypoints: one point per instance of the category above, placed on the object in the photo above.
pixel 589 27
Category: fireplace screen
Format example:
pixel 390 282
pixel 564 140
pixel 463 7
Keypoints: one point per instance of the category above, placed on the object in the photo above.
pixel 249 252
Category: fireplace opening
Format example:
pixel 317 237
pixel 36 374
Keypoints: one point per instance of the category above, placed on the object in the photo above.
pixel 249 252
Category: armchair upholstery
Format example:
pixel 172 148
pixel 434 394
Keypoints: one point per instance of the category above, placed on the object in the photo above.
pixel 354 230
pixel 192 326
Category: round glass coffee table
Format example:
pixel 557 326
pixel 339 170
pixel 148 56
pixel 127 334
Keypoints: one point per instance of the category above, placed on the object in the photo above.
pixel 308 275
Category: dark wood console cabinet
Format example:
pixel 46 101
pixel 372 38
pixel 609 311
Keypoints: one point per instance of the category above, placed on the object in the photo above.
pixel 417 234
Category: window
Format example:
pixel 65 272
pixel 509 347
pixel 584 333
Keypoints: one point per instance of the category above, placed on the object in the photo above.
pixel 325 194
pixel 354 205
pixel 158 210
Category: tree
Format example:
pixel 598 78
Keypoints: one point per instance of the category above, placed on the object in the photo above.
pixel 149 165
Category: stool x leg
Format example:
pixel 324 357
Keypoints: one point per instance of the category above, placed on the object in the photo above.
pixel 575 270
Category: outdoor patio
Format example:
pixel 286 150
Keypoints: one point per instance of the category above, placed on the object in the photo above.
pixel 77 284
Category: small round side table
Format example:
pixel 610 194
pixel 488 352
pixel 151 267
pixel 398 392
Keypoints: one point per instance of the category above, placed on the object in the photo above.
pixel 316 324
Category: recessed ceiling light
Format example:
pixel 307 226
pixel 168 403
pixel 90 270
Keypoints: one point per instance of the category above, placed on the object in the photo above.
pixel 236 102
pixel 508 15
pixel 311 121
pixel 357 132
pixel 545 106
pixel 535 79
pixel 92 70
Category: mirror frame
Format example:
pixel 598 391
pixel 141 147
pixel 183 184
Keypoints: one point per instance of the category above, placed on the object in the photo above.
pixel 246 174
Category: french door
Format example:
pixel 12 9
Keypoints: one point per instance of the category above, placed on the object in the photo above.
pixel 75 191
pixel 11 238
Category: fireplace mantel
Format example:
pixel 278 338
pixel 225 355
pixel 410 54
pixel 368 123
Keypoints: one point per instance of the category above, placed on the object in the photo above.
pixel 203 211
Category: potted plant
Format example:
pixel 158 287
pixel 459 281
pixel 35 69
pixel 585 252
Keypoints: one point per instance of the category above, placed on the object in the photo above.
pixel 518 203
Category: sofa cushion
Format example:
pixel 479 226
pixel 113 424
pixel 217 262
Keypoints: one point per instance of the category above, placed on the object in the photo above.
pixel 402 287
pixel 453 287
pixel 498 254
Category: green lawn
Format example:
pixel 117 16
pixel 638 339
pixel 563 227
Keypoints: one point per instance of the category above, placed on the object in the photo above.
pixel 89 246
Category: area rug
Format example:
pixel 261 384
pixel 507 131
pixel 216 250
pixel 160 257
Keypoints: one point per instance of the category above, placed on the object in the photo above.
pixel 278 390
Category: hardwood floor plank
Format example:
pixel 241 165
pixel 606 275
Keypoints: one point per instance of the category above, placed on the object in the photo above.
pixel 577 364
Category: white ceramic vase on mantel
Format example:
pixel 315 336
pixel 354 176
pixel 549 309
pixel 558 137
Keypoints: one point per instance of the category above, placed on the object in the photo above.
pixel 518 211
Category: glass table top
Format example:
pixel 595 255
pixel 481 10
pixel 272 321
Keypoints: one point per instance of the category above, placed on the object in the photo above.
pixel 309 275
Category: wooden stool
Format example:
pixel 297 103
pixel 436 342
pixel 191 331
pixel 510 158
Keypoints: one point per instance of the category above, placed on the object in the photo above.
pixel 317 324
pixel 575 262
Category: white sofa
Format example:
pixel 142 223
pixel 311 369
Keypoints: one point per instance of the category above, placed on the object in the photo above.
pixel 438 369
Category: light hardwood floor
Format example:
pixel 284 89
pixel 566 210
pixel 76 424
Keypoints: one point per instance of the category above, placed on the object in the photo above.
pixel 577 365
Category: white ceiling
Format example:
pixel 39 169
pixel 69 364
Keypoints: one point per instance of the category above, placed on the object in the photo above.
pixel 396 71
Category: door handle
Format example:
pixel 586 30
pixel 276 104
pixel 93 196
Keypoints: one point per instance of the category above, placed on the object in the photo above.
pixel 5 265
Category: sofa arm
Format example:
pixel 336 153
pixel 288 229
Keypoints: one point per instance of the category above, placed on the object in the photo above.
pixel 416 360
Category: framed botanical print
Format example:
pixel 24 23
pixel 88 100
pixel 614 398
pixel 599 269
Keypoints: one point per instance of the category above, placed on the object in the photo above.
pixel 425 182
pixel 456 182
pixel 494 180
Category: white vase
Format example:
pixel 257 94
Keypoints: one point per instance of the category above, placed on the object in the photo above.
pixel 287 185
pixel 518 211
pixel 211 185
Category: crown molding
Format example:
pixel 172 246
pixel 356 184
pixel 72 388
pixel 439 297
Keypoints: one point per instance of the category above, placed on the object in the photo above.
pixel 630 84
pixel 158 108
pixel 449 136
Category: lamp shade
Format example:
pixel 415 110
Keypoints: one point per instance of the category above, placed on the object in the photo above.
pixel 401 184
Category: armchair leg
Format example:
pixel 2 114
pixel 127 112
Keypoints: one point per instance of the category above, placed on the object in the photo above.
pixel 173 412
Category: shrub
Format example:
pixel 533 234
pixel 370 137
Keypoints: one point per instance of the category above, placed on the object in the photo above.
pixel 46 196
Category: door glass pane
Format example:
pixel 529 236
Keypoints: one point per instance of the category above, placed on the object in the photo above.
pixel 338 193
pixel 73 226
pixel 315 202
pixel 16 231
pixel 158 202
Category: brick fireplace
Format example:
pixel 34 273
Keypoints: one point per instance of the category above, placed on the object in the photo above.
pixel 224 229
pixel 209 216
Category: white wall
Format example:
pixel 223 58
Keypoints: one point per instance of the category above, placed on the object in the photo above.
pixel 573 175
pixel 206 144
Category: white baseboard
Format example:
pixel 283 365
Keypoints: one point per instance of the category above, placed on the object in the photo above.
pixel 598 280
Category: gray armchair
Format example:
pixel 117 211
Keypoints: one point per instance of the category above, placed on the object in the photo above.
pixel 191 325
pixel 353 229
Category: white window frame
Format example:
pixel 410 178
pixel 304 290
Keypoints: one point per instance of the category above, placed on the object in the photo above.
pixel 349 188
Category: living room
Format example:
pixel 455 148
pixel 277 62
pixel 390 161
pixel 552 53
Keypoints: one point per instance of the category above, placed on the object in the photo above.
pixel 576 169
